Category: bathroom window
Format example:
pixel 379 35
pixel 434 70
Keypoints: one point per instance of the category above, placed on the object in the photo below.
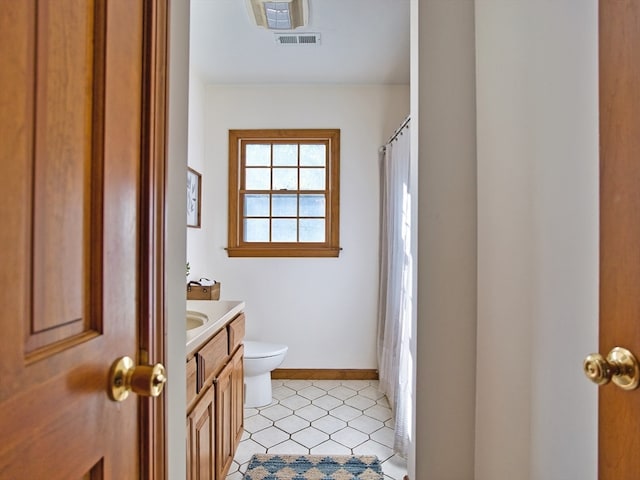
pixel 284 193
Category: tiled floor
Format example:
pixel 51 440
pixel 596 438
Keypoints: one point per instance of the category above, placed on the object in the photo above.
pixel 321 417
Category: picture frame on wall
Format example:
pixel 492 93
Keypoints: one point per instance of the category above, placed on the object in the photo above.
pixel 194 194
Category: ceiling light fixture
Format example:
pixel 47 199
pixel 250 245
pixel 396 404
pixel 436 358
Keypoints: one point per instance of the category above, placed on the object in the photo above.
pixel 279 14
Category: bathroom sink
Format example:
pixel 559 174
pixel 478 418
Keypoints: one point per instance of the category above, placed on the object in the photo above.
pixel 205 318
pixel 195 319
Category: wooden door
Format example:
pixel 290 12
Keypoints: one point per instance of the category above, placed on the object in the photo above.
pixel 619 411
pixel 78 235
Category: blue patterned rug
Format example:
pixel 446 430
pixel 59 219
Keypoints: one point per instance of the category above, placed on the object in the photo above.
pixel 313 467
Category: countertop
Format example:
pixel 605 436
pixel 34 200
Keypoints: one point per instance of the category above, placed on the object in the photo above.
pixel 219 312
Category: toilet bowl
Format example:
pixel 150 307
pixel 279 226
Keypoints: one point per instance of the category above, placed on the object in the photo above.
pixel 259 360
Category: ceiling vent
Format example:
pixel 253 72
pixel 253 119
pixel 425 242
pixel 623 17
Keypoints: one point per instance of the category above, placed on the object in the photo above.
pixel 297 38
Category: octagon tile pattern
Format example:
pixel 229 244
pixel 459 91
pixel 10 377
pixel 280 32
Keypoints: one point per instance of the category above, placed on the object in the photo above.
pixel 321 417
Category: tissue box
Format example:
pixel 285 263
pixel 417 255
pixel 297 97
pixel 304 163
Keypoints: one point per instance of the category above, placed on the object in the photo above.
pixel 199 292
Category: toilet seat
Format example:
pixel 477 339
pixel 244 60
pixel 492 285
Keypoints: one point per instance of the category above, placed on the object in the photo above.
pixel 262 349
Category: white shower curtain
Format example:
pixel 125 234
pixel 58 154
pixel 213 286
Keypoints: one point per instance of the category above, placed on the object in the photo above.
pixel 395 305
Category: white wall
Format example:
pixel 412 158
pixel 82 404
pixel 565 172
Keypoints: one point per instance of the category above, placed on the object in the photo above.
pixel 198 244
pixel 505 238
pixel 324 309
pixel 176 205
pixel 197 104
pixel 444 106
pixel 537 238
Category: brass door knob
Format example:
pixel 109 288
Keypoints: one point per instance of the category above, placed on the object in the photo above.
pixel 620 366
pixel 145 380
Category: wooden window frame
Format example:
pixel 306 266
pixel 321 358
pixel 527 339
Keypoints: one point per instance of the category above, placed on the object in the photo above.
pixel 237 247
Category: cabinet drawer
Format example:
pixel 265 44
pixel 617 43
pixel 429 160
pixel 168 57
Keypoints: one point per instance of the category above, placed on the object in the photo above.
pixel 236 332
pixel 192 380
pixel 212 357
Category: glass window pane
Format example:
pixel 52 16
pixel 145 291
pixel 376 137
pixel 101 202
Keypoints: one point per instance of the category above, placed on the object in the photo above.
pixel 284 206
pixel 284 230
pixel 256 205
pixel 312 179
pixel 312 230
pixel 312 206
pixel 258 178
pixel 257 155
pixel 284 155
pixel 313 155
pixel 285 179
pixel 256 230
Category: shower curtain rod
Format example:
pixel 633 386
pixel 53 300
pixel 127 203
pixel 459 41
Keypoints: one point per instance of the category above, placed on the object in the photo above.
pixel 399 130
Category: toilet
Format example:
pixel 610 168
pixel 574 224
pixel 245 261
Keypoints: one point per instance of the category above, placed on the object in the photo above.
pixel 259 360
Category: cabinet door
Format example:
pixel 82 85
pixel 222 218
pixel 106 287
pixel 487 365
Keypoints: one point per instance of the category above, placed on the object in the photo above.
pixel 237 396
pixel 192 381
pixel 189 449
pixel 225 438
pixel 201 441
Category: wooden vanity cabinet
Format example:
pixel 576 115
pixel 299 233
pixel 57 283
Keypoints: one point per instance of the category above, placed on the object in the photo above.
pixel 201 438
pixel 229 411
pixel 192 381
pixel 212 357
pixel 224 444
pixel 215 414
pixel 237 397
pixel 236 332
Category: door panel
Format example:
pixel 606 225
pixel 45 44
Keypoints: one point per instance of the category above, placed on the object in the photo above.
pixel 64 110
pixel 619 37
pixel 71 112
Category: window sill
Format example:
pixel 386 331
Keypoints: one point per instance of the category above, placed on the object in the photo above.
pixel 284 251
